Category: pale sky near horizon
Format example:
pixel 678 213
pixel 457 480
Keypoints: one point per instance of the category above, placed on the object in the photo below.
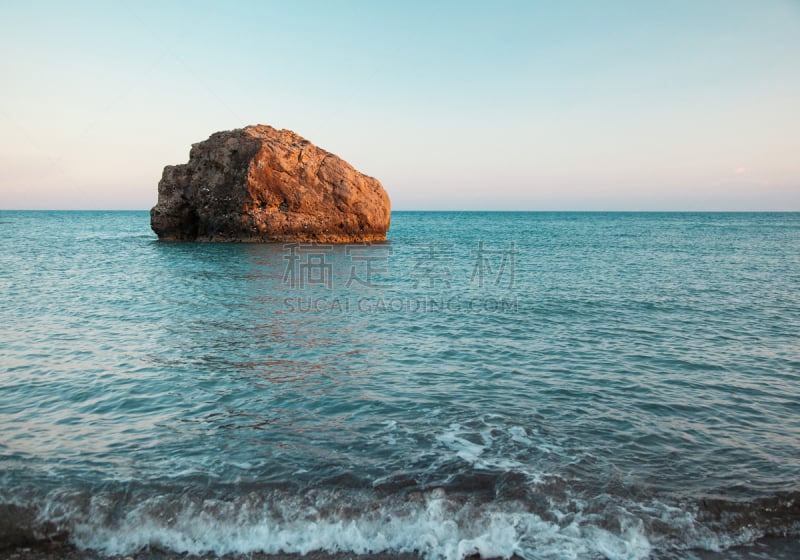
pixel 593 105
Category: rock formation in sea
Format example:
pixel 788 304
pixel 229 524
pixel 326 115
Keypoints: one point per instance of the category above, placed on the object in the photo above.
pixel 266 185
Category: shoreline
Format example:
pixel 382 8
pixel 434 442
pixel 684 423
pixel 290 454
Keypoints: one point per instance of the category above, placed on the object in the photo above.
pixel 774 548
pixel 55 550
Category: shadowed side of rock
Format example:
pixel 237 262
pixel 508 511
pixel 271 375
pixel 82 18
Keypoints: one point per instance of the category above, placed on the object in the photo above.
pixel 259 184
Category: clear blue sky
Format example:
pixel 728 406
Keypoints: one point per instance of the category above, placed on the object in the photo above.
pixel 595 105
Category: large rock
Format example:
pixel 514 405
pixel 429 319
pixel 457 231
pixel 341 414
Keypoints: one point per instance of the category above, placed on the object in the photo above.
pixel 262 184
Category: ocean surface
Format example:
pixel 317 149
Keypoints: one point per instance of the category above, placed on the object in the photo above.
pixel 546 385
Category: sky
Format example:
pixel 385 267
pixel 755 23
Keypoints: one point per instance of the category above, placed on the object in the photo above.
pixel 531 105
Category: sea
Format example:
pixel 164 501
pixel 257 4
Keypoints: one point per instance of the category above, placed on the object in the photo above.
pixel 538 385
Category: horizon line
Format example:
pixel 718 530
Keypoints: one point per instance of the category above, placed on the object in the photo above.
pixel 553 211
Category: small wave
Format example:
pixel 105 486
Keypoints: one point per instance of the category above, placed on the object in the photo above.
pixel 434 524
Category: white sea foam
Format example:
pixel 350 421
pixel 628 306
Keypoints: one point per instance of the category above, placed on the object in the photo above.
pixel 520 435
pixel 497 450
pixel 463 448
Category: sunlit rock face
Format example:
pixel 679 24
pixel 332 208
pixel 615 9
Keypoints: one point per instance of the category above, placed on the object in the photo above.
pixel 260 184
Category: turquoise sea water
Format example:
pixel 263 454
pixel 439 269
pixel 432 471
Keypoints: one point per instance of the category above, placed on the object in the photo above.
pixel 551 385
